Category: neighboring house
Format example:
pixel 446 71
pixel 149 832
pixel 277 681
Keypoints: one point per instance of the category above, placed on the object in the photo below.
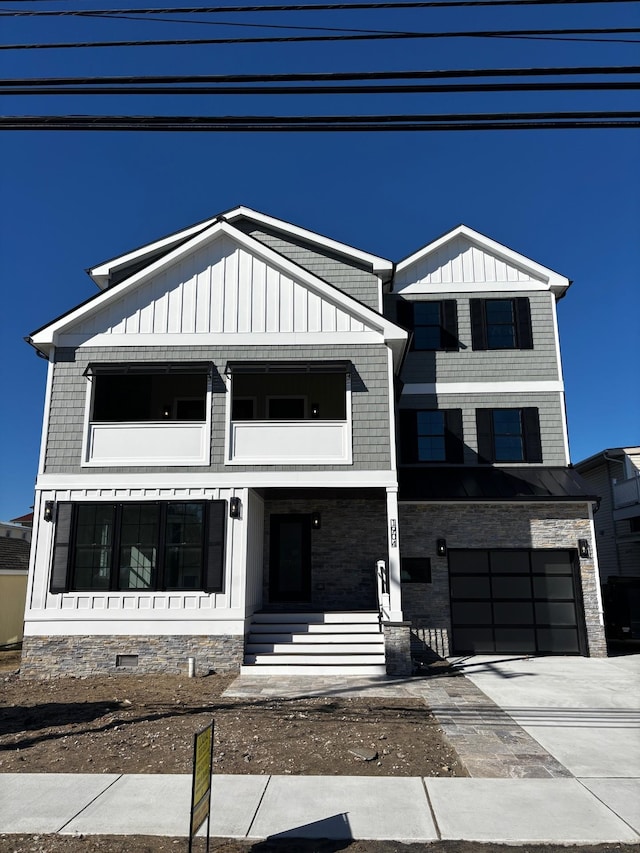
pixel 14 565
pixel 615 475
pixel 218 474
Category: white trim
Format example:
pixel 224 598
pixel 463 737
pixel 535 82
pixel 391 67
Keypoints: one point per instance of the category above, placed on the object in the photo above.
pixel 203 339
pixel 377 263
pixel 512 502
pixel 393 552
pixel 222 479
pixel 61 623
pixel 100 274
pixel 462 287
pixel 14 573
pixel 45 417
pixel 393 438
pixel 523 387
pixel 556 282
pixel 563 403
pixel 375 321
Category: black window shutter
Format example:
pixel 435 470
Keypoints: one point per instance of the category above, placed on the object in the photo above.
pixel 531 429
pixel 408 435
pixel 404 313
pixel 454 446
pixel 214 569
pixel 450 325
pixel 478 324
pixel 62 543
pixel 484 426
pixel 523 321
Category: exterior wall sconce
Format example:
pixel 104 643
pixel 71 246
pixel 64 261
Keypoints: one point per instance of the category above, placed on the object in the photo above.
pixel 441 547
pixel 583 548
pixel 47 515
pixel 316 521
pixel 234 508
pixel 315 410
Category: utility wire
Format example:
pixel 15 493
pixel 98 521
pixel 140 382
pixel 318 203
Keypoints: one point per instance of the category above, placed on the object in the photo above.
pixel 554 35
pixel 567 86
pixel 323 76
pixel 311 7
pixel 488 121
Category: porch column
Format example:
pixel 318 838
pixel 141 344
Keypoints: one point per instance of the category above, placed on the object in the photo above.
pixel 393 543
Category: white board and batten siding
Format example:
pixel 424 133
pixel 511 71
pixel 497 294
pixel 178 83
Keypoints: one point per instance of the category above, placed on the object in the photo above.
pixel 460 264
pixel 139 611
pixel 221 289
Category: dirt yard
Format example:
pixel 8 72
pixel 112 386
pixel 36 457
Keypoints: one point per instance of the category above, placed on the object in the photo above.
pixel 145 724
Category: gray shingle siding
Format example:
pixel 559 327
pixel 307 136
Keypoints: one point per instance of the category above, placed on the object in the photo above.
pixel 549 412
pixel 469 365
pixel 370 402
pixel 350 278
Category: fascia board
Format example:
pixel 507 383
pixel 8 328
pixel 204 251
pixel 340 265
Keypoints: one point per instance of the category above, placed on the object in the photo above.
pixel 379 265
pixel 556 282
pixel 102 272
pixel 389 330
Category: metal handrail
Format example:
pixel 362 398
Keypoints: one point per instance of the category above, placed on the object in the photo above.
pixel 382 588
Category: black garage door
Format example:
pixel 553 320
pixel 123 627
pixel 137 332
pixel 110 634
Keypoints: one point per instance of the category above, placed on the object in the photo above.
pixel 516 602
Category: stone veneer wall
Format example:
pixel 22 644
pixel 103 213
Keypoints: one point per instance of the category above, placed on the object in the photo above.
pixel 539 525
pixel 344 552
pixel 397 648
pixel 50 657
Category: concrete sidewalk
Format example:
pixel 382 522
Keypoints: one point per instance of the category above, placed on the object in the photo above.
pixel 571 723
pixel 336 807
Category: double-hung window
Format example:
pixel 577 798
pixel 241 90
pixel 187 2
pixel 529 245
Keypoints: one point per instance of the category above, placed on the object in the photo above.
pixel 434 323
pixel 431 435
pixel 508 435
pixel 139 546
pixel 501 324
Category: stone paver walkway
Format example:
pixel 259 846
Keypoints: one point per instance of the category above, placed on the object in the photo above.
pixel 488 741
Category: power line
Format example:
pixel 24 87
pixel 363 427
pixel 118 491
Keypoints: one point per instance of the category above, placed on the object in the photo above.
pixel 323 76
pixel 488 121
pixel 554 34
pixel 311 7
pixel 565 86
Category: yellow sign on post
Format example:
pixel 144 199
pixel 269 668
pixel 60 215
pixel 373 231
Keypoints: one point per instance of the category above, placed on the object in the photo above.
pixel 201 786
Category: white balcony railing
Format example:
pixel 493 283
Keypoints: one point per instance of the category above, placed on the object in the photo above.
pixel 626 492
pixel 148 443
pixel 290 443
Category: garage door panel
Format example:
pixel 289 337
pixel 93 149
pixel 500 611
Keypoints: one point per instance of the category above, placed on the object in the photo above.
pixel 556 613
pixel 515 640
pixel 553 587
pixel 471 587
pixel 472 613
pixel 507 610
pixel 513 613
pixel 516 587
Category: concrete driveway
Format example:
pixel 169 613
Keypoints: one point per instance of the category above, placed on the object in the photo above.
pixel 584 711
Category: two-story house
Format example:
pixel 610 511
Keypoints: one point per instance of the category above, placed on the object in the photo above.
pixel 261 445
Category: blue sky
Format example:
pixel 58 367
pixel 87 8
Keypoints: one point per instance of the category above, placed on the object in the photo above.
pixel 568 199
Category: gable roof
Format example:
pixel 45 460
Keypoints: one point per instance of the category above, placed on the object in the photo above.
pixel 14 554
pixel 103 274
pixel 47 336
pixel 463 256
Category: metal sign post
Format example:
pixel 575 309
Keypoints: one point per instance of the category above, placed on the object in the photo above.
pixel 201 785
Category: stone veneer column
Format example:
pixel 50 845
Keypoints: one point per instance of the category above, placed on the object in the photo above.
pixel 397 648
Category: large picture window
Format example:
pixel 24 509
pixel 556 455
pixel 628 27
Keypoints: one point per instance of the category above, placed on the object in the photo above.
pixel 139 546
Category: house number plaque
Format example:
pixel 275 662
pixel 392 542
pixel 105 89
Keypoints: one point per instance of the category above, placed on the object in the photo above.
pixel 394 533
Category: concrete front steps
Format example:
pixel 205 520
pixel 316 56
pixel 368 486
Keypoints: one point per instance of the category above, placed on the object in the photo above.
pixel 314 644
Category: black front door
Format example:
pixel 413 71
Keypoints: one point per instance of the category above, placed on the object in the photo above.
pixel 290 558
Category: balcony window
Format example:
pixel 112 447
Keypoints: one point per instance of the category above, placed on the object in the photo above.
pixel 297 413
pixel 148 414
